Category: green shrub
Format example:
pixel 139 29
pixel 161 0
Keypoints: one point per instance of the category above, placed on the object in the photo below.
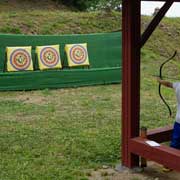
pixel 80 4
pixel 92 4
pixel 107 5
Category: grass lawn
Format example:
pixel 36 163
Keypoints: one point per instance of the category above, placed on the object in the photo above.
pixel 58 22
pixel 57 134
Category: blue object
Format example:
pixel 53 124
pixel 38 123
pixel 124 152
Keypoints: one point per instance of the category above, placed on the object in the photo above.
pixel 175 141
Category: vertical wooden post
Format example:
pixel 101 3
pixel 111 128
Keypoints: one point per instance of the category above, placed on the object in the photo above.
pixel 143 134
pixel 131 79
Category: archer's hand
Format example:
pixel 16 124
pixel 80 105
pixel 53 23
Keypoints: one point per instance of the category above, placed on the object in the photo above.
pixel 159 79
pixel 165 83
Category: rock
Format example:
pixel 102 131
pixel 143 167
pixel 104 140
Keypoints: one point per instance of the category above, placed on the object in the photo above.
pixel 105 167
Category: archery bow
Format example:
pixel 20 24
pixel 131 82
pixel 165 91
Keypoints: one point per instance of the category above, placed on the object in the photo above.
pixel 160 75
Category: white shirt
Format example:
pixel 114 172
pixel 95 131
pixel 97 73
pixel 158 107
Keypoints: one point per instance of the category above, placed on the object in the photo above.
pixel 176 86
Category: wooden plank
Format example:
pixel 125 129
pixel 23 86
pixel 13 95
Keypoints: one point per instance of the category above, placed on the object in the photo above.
pixel 164 155
pixel 156 20
pixel 161 0
pixel 131 79
pixel 161 134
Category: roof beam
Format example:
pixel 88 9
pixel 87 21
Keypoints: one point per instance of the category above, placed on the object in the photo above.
pixel 156 20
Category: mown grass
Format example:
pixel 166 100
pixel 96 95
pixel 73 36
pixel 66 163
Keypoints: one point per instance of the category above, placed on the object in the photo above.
pixel 57 134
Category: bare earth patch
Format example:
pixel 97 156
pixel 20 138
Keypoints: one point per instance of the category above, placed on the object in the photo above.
pixel 152 172
pixel 28 98
pixel 35 99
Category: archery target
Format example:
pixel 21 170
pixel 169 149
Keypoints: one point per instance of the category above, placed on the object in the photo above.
pixel 19 58
pixel 77 54
pixel 48 57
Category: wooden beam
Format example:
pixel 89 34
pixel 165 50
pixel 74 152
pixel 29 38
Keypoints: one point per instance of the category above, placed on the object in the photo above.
pixel 156 20
pixel 164 155
pixel 161 134
pixel 131 79
pixel 161 0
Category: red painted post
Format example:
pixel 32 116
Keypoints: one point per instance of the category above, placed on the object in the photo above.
pixel 131 79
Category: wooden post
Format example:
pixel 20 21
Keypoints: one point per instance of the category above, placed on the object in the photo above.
pixel 131 79
pixel 143 134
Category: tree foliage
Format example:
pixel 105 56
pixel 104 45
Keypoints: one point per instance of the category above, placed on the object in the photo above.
pixel 92 4
pixel 80 4
pixel 108 4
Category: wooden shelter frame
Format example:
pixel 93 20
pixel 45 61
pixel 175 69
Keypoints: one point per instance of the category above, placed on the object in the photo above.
pixel 134 146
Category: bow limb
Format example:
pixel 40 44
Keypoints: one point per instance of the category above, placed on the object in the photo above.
pixel 164 101
pixel 160 75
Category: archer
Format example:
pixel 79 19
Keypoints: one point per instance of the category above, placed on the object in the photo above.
pixel 175 139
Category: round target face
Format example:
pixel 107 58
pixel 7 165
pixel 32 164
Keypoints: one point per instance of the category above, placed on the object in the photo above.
pixel 78 54
pixel 49 56
pixel 20 59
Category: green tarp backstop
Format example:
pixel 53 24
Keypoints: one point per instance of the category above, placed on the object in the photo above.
pixel 104 54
